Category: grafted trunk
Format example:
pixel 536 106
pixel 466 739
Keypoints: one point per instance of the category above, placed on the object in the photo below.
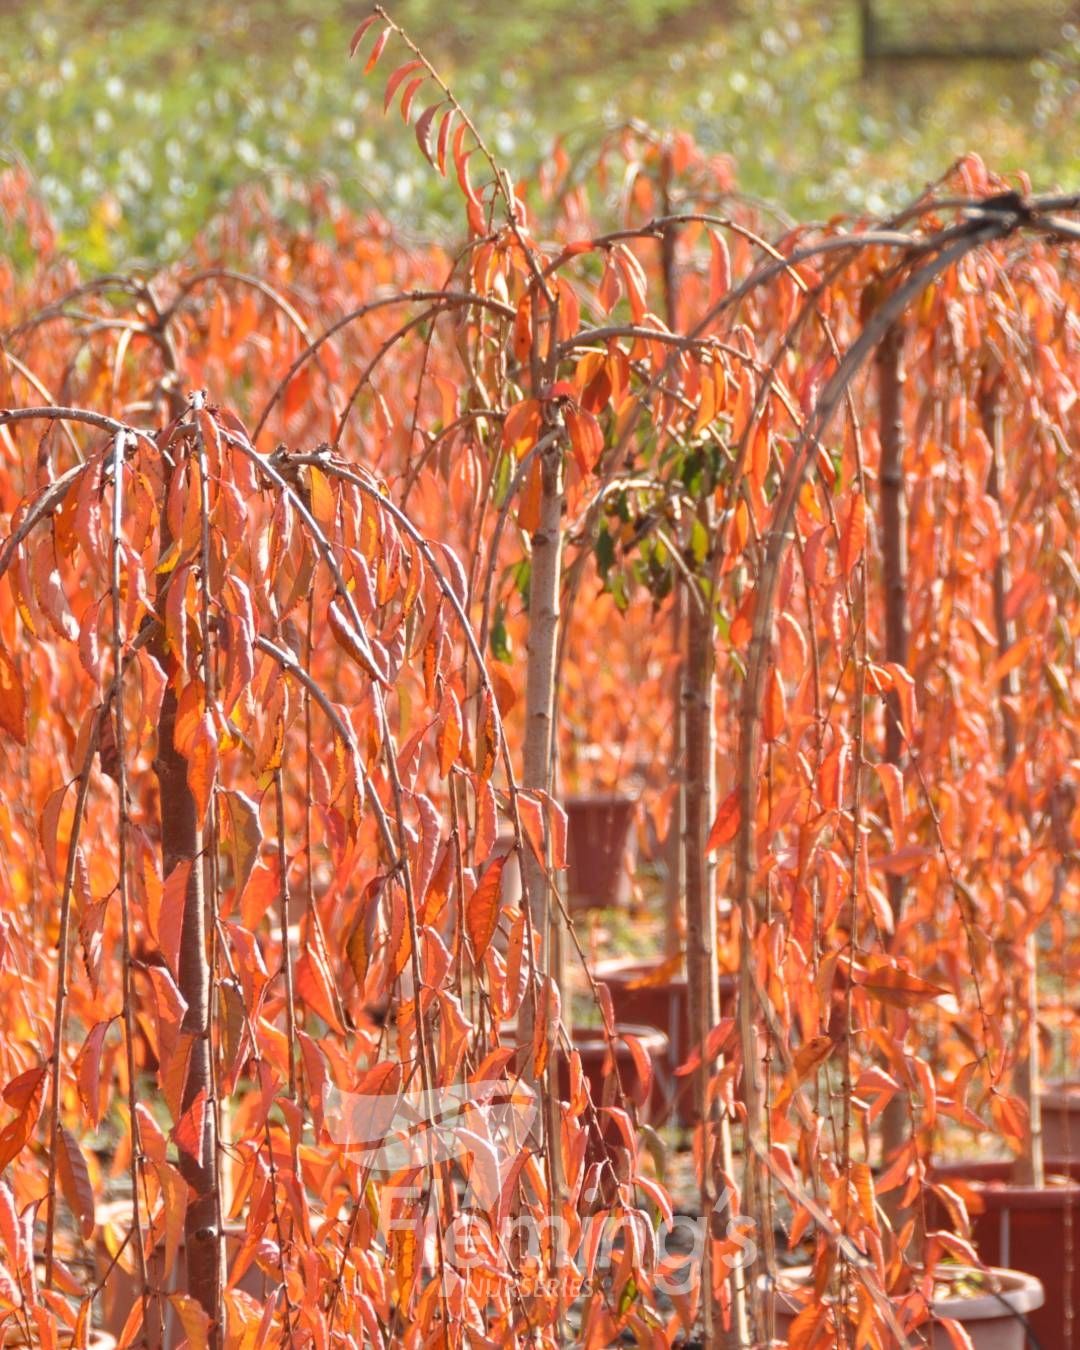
pixel 890 377
pixel 703 986
pixel 182 840
pixel 1028 1169
pixel 890 362
pixel 545 916
pixel 675 888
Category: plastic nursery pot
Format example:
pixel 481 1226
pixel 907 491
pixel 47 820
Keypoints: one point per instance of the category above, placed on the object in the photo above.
pixel 598 840
pixel 599 1068
pixel 1036 1229
pixel 646 993
pixel 122 1288
pixel 991 1305
pixel 1060 1102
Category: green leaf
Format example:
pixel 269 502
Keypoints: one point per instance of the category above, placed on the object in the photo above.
pixel 499 639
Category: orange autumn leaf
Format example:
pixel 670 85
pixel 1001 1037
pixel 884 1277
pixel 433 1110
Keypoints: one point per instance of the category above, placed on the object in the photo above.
pixel 448 739
pixel 482 914
pixel 853 534
pixel 894 985
pixel 726 824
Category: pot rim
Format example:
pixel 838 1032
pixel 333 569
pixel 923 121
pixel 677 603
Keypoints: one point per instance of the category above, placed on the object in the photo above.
pixel 616 967
pixel 608 799
pixel 1000 1192
pixel 1062 1094
pixel 650 1037
pixel 1020 1293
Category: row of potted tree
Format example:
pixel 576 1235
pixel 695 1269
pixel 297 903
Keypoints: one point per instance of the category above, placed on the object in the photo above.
pixel 325 558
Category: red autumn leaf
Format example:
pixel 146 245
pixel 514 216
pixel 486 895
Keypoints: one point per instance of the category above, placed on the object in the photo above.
pixel 717 1038
pixel 904 685
pixel 12 1233
pixel 719 269
pixel 892 783
pixel 395 80
pixel 354 643
pixel 241 818
pixel 557 829
pixel 853 535
pixel 132 1326
pixel 640 1085
pixel 406 1262
pixel 358 35
pixel 891 984
pixel 523 332
pixel 521 427
pixel 909 858
pixel 503 686
pixel 409 94
pixel 531 815
pixel 586 439
pixel 189 1130
pixel 482 914
pixel 377 50
pixel 487 823
pixel 448 739
pixel 12 699
pixel 194 1320
pixel 726 825
pixel 546 1029
pixel 88 1070
pixel 314 984
pixel 443 139
pixel 24 1093
pixel 75 1182
pixel 165 913
pixel 423 132
pixel 50 827
pixel 487 737
pixel 262 892
pixel 202 765
pixel 1011 1118
pixel 610 288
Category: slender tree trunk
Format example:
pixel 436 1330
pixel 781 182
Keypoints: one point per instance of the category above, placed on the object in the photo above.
pixel 675 886
pixel 890 376
pixel 676 879
pixel 701 968
pixel 890 363
pixel 182 841
pixel 540 705
pixel 1028 1169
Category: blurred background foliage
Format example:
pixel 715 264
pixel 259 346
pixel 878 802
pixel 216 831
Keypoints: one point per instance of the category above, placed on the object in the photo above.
pixel 138 118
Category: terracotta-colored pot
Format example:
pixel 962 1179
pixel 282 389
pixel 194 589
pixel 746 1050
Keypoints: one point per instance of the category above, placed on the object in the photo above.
pixel 643 994
pixel 599 1071
pixel 1060 1103
pixel 1023 1227
pixel 599 846
pixel 14 1337
pixel 121 1289
pixel 994 1320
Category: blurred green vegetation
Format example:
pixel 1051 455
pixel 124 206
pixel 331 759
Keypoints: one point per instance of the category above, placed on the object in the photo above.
pixel 138 118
